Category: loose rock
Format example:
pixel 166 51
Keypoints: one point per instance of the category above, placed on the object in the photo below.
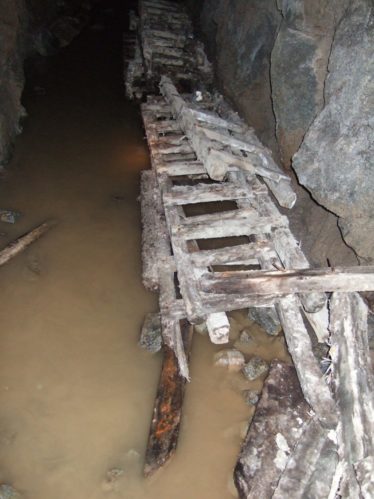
pixel 230 358
pixel 9 216
pixel 8 492
pixel 255 368
pixel 267 318
pixel 150 336
pixel 251 397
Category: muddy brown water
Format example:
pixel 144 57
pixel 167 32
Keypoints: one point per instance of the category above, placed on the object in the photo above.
pixel 76 392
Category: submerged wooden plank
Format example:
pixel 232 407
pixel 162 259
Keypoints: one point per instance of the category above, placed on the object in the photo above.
pixel 167 412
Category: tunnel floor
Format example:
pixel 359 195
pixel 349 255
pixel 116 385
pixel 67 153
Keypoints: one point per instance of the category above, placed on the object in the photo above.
pixel 76 391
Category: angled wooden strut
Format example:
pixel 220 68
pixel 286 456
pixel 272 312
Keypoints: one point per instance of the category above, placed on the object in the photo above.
pixel 167 411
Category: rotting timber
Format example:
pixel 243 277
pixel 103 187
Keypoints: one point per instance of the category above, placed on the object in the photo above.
pixel 202 152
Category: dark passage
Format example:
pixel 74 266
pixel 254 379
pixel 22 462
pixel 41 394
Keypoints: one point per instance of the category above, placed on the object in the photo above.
pixel 76 392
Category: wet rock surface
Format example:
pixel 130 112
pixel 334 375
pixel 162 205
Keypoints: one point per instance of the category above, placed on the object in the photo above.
pixel 274 431
pixel 150 336
pixel 255 368
pixel 251 397
pixel 267 318
pixel 8 492
pixel 299 72
pixel 335 161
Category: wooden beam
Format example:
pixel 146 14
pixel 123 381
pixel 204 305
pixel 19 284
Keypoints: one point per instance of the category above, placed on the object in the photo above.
pixel 18 245
pixel 167 412
pixel 263 282
pixel 354 389
pixel 311 468
pixel 312 381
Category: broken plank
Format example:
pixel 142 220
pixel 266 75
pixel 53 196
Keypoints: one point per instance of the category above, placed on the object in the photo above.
pixel 167 412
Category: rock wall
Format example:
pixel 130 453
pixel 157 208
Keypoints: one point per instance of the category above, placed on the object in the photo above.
pixel 300 72
pixel 13 22
pixel 336 159
pixel 27 26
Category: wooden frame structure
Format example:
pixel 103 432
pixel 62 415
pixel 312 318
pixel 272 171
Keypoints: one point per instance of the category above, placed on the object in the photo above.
pixel 204 156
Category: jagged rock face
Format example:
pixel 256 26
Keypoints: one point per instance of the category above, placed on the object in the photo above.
pixel 12 25
pixel 303 68
pixel 239 36
pixel 335 161
pixel 298 66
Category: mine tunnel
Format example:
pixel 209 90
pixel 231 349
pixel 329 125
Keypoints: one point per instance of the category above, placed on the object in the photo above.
pixel 186 249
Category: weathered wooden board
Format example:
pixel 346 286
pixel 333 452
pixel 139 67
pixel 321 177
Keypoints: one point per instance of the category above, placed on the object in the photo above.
pixel 344 279
pixel 354 390
pixel 311 468
pixel 167 412
pixel 313 384
pixel 279 421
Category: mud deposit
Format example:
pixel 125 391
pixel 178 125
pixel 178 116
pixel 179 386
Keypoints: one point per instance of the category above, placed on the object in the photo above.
pixel 76 392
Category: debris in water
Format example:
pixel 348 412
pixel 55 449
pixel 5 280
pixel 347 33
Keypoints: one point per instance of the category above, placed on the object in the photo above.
pixel 17 246
pixel 9 216
pixel 255 368
pixel 230 358
pixel 150 336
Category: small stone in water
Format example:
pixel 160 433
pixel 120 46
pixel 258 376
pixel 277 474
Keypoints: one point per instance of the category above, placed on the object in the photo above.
pixel 267 318
pixel 150 336
pixel 251 397
pixel 230 358
pixel 255 368
pixel 8 492
pixel 9 216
